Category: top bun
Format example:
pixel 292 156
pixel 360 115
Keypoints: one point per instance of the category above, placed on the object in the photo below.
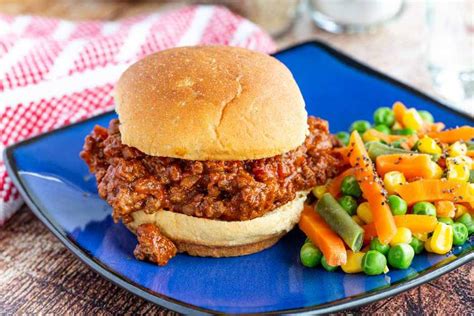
pixel 210 103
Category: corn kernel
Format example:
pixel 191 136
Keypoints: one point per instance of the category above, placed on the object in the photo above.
pixel 353 263
pixel 458 168
pixel 460 210
pixel 412 119
pixel 319 190
pixel 386 270
pixel 428 145
pixel 457 149
pixel 442 240
pixel 364 212
pixel 421 236
pixel 403 236
pixel 368 136
pixel 358 220
pixel 393 180
pixel 437 170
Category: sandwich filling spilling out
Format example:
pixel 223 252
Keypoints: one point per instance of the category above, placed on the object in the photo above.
pixel 240 190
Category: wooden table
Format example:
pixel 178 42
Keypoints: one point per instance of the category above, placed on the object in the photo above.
pixel 38 275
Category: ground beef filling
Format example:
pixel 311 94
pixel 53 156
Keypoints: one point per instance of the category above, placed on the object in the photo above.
pixel 225 190
pixel 153 246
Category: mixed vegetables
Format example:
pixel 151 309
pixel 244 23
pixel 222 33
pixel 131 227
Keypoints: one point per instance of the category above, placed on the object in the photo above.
pixel 408 188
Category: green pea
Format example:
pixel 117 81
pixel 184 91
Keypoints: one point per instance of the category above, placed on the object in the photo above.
pixel 398 206
pixel 326 266
pixel 348 203
pixel 398 143
pixel 426 116
pixel 373 263
pixel 400 256
pixel 466 219
pixel 343 137
pixel 446 220
pixel 361 126
pixel 404 131
pixel 383 128
pixel 310 255
pixel 350 187
pixel 376 245
pixel 460 234
pixel 417 245
pixel 424 208
pixel 384 116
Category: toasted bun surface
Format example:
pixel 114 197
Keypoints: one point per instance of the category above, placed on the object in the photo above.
pixel 210 103
pixel 206 237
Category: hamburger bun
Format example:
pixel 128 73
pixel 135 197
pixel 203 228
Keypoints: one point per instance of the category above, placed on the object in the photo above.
pixel 214 238
pixel 210 103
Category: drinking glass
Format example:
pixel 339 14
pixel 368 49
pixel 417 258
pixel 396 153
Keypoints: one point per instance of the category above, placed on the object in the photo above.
pixel 451 50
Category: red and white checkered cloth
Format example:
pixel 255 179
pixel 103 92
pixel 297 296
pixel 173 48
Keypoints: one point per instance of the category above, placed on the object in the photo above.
pixel 55 72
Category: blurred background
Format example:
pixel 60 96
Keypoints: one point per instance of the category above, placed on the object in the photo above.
pixel 426 43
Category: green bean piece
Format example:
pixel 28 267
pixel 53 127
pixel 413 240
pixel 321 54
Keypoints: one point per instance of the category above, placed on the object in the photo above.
pixel 326 266
pixel 417 245
pixel 340 221
pixel 343 137
pixel 446 220
pixel 400 256
pixel 350 186
pixel 384 116
pixel 471 176
pixel 424 208
pixel 349 204
pixel 310 255
pixel 383 129
pixel 398 206
pixel 426 116
pixel 361 126
pixel 404 131
pixel 460 234
pixel 376 245
pixel 373 263
pixel 376 149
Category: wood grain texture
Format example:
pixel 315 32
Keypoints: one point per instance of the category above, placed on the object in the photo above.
pixel 38 274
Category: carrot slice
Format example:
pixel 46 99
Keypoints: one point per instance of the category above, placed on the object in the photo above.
pixel 342 151
pixel 412 166
pixel 330 244
pixel 449 136
pixel 417 224
pixel 369 232
pixel 334 186
pixel 399 110
pixel 372 188
pixel 436 190
pixel 445 209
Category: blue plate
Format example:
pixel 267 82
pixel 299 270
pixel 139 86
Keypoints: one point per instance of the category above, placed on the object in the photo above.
pixel 57 186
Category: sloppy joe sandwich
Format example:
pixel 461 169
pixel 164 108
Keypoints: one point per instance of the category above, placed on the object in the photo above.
pixel 212 153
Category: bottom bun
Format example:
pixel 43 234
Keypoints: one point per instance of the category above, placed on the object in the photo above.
pixel 215 238
pixel 226 251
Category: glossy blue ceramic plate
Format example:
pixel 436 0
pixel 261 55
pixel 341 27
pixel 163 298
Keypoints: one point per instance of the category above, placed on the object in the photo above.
pixel 59 189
